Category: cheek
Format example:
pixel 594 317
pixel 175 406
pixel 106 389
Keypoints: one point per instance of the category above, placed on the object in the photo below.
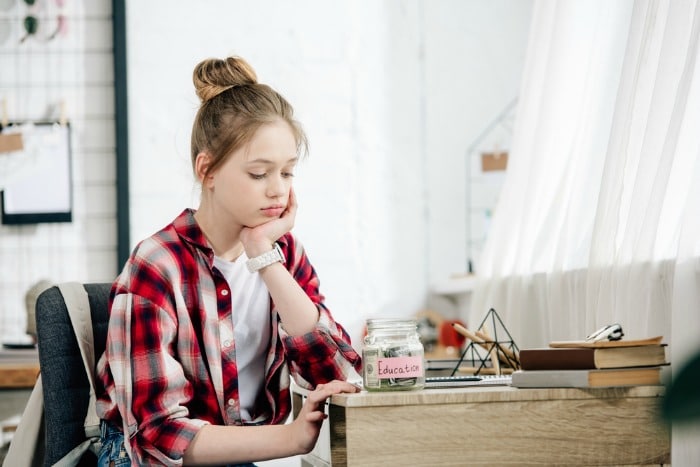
pixel 248 189
pixel 233 183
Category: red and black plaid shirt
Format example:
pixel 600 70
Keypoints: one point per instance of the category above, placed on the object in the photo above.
pixel 166 370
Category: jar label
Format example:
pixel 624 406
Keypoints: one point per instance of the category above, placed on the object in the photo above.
pixel 400 367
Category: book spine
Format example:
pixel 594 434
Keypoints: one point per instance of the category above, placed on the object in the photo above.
pixel 558 359
pixel 586 378
pixel 537 379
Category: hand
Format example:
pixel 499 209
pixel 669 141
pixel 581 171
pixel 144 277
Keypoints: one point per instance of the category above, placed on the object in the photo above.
pixel 307 425
pixel 257 240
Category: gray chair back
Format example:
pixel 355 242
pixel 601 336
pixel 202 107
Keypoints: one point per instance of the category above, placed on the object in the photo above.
pixel 66 387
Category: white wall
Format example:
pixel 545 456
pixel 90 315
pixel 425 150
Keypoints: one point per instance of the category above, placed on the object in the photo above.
pixel 391 94
pixel 36 76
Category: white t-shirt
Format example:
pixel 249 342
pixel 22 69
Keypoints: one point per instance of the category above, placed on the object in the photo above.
pixel 250 301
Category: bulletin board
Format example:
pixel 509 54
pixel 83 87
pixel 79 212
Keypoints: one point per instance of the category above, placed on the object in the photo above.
pixel 40 190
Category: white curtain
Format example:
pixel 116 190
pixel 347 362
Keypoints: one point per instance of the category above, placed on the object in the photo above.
pixel 599 217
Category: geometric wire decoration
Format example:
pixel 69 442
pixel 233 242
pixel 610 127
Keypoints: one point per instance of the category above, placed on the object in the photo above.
pixel 501 351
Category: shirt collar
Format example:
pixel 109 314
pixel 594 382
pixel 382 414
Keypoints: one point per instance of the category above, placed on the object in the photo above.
pixel 189 231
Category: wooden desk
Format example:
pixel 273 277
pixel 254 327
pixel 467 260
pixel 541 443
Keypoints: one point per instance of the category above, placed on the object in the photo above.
pixel 18 368
pixel 492 426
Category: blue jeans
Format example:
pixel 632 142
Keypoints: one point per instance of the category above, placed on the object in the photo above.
pixel 113 452
pixel 113 449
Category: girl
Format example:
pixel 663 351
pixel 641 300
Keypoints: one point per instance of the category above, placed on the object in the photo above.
pixel 211 314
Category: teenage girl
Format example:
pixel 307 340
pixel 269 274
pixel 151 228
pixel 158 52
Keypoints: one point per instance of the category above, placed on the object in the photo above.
pixel 211 315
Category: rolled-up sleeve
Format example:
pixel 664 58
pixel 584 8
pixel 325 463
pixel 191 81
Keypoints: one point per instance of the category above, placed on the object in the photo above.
pixel 325 353
pixel 150 385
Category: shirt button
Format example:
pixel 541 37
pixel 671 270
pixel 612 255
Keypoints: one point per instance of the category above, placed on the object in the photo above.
pixel 227 344
pixel 231 402
pixel 224 292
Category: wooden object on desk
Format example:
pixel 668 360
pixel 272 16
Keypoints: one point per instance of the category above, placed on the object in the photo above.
pixel 493 350
pixel 503 353
pixel 493 426
pixel 18 375
pixel 18 368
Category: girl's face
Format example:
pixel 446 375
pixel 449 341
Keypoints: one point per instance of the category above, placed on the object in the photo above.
pixel 252 187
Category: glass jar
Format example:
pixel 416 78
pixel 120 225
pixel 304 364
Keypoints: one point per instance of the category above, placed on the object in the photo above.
pixel 393 356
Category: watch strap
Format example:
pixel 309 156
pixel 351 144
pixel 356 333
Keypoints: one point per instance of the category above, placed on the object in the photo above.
pixel 262 261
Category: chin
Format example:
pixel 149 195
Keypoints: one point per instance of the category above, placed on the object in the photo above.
pixel 258 222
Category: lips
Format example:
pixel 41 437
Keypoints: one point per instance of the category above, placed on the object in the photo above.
pixel 273 211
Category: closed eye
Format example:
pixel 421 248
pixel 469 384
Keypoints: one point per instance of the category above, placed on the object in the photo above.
pixel 257 176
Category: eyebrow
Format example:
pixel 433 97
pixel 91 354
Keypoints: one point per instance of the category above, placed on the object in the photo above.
pixel 293 160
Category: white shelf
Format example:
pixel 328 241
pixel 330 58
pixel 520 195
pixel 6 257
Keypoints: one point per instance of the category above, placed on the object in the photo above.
pixel 455 286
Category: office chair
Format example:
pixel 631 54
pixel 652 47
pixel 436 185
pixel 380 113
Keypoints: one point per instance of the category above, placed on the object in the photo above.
pixel 66 387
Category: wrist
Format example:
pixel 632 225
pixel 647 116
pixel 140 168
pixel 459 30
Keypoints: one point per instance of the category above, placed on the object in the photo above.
pixel 257 250
pixel 266 257
pixel 257 246
pixel 298 444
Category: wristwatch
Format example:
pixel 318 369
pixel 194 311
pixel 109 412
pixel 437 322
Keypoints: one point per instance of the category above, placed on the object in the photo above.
pixel 273 256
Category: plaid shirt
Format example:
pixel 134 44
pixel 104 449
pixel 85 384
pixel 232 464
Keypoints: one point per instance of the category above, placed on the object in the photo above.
pixel 170 362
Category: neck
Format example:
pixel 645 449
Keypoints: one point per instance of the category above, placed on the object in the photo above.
pixel 225 242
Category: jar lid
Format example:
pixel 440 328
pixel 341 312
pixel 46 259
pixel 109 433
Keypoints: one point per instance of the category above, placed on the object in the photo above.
pixel 391 323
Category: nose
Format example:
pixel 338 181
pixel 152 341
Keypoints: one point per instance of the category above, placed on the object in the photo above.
pixel 277 186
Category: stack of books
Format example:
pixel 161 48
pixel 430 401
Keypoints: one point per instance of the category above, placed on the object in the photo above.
pixel 582 364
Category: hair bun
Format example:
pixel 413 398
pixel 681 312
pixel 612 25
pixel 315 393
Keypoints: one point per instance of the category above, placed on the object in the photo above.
pixel 213 76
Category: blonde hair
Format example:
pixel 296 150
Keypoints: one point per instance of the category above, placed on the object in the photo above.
pixel 233 106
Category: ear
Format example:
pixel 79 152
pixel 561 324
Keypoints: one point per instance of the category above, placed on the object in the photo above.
pixel 201 165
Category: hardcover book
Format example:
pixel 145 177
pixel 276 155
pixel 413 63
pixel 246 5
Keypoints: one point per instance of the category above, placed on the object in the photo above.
pixel 656 340
pixel 584 358
pixel 642 376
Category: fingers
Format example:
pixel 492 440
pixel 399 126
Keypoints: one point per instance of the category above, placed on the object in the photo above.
pixel 292 201
pixel 316 416
pixel 316 399
pixel 326 390
pixel 261 235
pixel 292 205
pixel 339 386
